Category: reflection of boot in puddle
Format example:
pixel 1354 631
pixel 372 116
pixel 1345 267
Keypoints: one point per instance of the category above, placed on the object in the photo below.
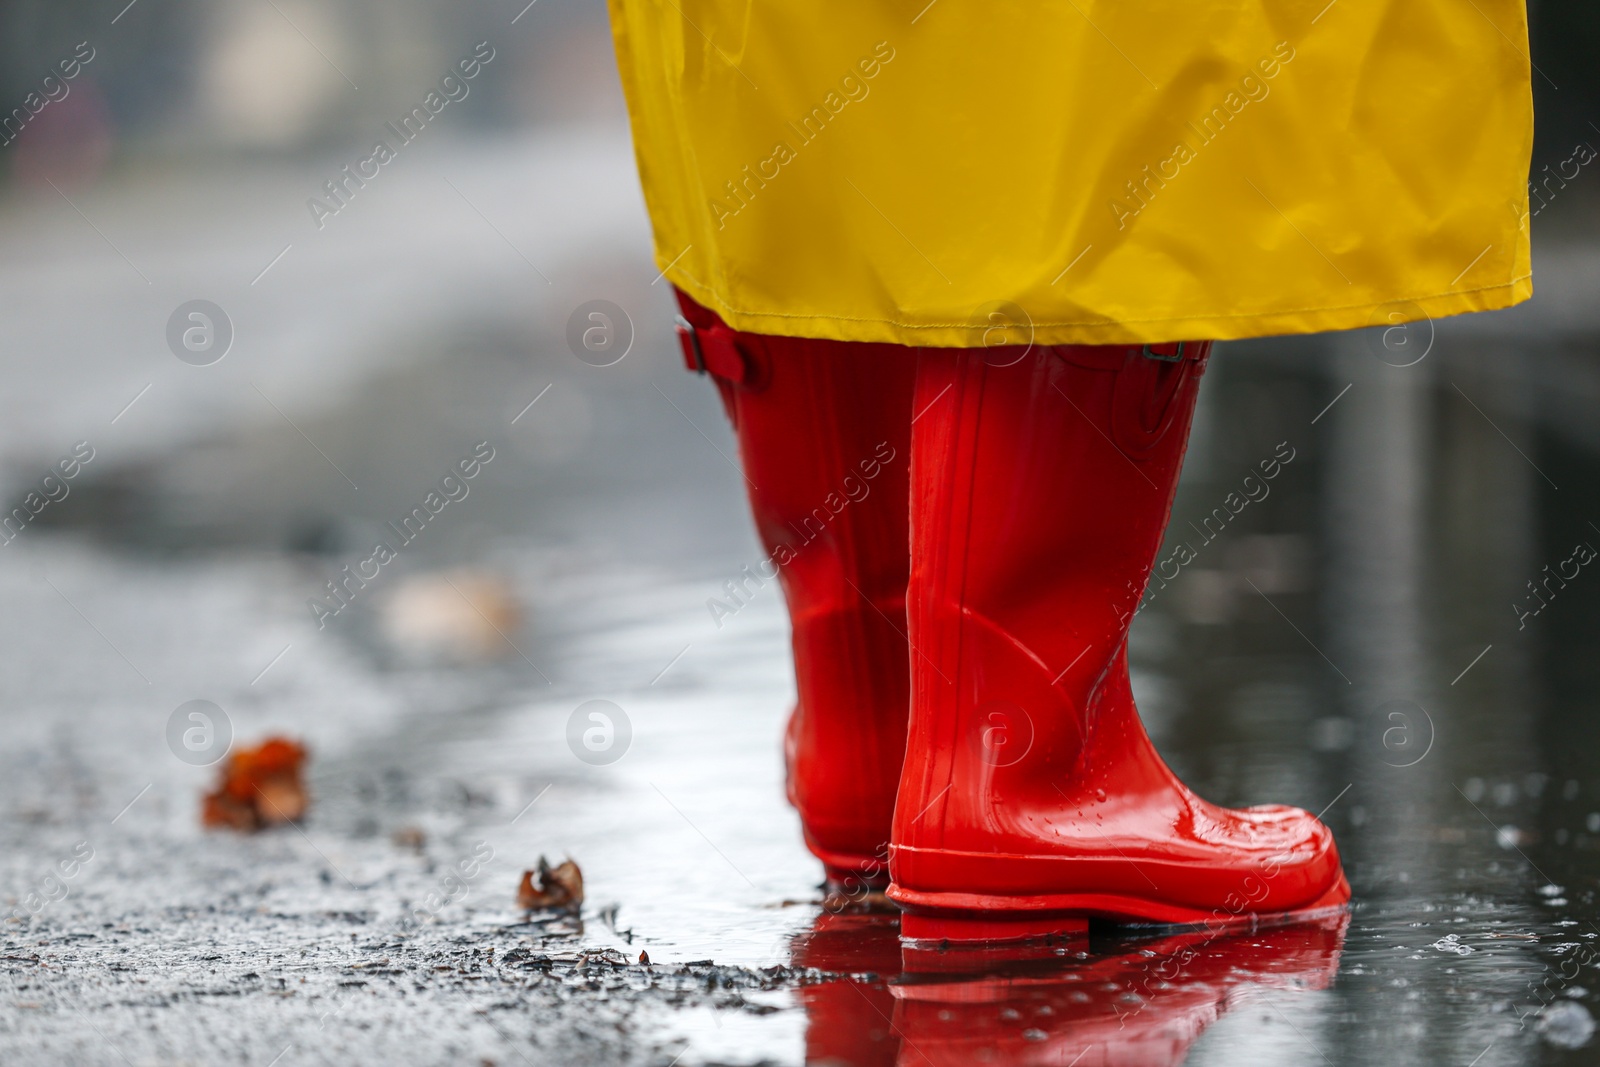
pixel 849 1021
pixel 1043 1002
pixel 1146 1006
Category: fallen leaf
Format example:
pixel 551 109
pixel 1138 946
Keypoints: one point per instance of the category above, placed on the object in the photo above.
pixel 559 887
pixel 644 958
pixel 411 837
pixel 258 787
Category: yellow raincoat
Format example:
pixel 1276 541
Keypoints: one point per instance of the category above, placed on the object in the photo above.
pixel 1104 171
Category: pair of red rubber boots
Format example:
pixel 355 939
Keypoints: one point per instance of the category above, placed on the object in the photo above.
pixel 963 537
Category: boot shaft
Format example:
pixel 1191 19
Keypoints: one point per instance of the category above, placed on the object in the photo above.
pixel 1040 494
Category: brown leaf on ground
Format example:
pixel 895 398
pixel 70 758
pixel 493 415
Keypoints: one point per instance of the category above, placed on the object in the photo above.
pixel 410 837
pixel 558 887
pixel 258 787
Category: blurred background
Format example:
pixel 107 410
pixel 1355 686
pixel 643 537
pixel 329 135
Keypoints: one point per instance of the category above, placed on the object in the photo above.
pixel 1377 637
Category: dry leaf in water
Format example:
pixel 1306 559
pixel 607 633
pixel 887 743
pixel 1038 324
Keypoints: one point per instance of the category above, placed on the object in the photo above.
pixel 558 887
pixel 258 787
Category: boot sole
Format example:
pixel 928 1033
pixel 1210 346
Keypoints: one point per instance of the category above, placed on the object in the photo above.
pixel 980 917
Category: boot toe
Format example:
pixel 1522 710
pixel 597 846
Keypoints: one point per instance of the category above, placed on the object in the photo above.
pixel 1279 827
pixel 1293 853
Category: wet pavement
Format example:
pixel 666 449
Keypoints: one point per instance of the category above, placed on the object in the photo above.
pixel 1361 641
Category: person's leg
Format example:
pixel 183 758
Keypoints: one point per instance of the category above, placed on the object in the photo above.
pixel 824 435
pixel 1040 494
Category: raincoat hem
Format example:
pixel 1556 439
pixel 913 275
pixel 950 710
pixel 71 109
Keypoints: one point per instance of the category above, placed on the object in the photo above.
pixel 1206 326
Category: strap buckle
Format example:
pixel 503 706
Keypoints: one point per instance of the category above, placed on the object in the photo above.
pixel 713 351
pixel 689 340
pixel 1173 356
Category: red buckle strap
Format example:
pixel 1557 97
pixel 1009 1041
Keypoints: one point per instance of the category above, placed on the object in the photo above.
pixel 711 351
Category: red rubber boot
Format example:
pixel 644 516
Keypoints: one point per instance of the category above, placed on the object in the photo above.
pixel 1031 797
pixel 824 431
